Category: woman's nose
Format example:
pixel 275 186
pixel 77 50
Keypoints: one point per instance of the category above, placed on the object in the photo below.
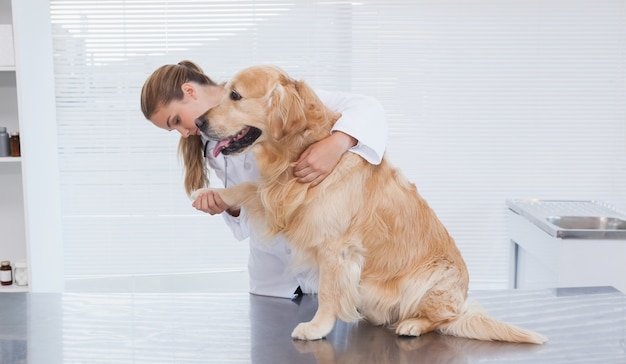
pixel 183 131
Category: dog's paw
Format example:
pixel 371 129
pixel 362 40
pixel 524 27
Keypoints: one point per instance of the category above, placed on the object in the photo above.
pixel 409 328
pixel 194 195
pixel 309 331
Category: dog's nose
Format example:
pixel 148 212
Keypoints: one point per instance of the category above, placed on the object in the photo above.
pixel 201 122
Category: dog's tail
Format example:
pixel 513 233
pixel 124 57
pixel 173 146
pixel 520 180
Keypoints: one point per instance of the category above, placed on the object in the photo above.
pixel 475 323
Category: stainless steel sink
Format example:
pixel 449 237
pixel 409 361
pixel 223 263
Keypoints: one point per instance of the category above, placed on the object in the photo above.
pixel 573 219
pixel 588 222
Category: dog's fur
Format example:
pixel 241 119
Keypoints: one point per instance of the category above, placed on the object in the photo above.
pixel 380 251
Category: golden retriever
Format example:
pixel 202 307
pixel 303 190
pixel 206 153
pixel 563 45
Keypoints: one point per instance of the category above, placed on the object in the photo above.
pixel 380 251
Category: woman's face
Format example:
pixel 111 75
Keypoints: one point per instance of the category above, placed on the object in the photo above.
pixel 180 115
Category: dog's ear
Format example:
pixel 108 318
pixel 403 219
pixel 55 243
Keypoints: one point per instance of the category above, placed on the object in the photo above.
pixel 287 110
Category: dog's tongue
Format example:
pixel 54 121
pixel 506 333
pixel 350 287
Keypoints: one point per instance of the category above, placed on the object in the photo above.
pixel 218 147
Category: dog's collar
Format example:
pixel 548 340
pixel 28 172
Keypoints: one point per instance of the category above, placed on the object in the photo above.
pixel 206 146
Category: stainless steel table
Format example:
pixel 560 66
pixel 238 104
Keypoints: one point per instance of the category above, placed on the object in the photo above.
pixel 584 325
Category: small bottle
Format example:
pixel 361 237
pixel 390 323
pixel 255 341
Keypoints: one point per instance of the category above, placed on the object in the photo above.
pixel 14 141
pixel 20 273
pixel 5 149
pixel 6 273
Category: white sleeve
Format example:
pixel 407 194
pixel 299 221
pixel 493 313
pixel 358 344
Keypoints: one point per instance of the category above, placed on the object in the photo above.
pixel 238 225
pixel 363 118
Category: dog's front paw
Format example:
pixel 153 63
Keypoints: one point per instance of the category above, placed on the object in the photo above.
pixel 310 331
pixel 194 195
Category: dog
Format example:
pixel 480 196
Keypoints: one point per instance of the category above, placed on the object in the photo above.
pixel 379 250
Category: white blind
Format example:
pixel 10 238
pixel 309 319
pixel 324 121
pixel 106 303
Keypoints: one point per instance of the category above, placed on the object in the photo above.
pixel 486 100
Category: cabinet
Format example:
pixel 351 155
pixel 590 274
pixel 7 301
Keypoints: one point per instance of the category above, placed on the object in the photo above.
pixel 30 214
pixel 545 261
pixel 12 218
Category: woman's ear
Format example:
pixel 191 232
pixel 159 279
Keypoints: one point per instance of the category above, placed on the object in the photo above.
pixel 189 90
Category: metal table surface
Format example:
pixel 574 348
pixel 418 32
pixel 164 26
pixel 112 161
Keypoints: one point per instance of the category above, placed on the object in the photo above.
pixel 584 325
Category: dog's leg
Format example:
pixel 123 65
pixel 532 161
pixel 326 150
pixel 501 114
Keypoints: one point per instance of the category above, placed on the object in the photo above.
pixel 339 275
pixel 235 195
pixel 321 324
pixel 441 303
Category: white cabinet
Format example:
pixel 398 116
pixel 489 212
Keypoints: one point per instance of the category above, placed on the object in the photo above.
pixel 30 215
pixel 544 261
pixel 12 218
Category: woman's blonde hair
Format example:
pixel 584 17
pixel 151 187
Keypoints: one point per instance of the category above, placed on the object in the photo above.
pixel 164 86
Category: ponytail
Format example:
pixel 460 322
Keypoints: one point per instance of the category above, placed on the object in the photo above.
pixel 191 150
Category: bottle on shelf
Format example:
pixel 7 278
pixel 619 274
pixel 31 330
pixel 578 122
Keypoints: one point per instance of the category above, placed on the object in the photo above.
pixel 6 273
pixel 5 148
pixel 20 271
pixel 14 141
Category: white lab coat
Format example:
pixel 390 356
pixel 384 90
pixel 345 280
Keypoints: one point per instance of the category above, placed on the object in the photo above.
pixel 268 264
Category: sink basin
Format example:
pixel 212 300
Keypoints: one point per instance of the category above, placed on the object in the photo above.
pixel 587 222
pixel 573 219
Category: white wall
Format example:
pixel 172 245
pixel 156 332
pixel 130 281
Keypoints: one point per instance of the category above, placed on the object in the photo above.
pixel 487 100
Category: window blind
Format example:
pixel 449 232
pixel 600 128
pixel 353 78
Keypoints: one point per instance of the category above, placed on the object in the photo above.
pixel 486 100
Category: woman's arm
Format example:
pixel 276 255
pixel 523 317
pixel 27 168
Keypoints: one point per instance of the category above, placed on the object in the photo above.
pixel 362 129
pixel 363 118
pixel 211 203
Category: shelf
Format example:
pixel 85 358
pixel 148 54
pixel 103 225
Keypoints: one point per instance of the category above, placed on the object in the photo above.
pixel 13 288
pixel 10 159
pixel 7 68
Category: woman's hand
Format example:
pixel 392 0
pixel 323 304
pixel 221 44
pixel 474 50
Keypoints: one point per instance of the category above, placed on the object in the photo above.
pixel 319 159
pixel 211 203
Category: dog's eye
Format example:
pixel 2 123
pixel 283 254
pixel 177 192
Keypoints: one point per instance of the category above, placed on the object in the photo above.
pixel 234 95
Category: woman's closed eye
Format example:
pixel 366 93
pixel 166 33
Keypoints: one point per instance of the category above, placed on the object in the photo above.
pixel 172 125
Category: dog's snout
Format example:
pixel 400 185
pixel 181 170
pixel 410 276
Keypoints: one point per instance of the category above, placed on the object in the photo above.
pixel 201 122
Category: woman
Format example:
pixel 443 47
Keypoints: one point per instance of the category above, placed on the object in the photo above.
pixel 175 95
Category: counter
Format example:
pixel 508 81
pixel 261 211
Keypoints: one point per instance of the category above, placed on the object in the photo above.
pixel 545 213
pixel 547 255
pixel 584 325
